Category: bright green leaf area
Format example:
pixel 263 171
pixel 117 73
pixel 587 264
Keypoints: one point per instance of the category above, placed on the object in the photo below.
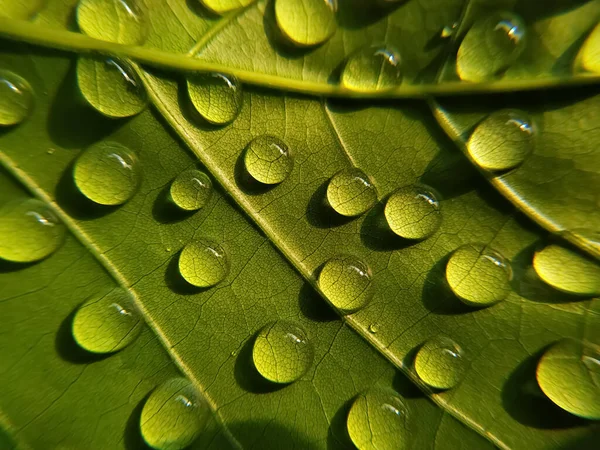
pixel 278 237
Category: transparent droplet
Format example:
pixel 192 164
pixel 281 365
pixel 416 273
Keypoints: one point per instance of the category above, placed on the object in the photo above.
pixel 306 22
pixel 491 45
pixel 223 6
pixel 440 363
pixel 16 98
pixel 351 193
pixel 413 212
pixel 589 55
pixel 216 97
pixel 502 141
pixel 174 415
pixel 107 323
pixel 111 86
pixel 379 420
pixel 372 69
pixel 191 190
pixel 449 30
pixel 203 263
pixel 373 328
pixel 21 9
pixel 120 21
pixel 282 352
pixel 29 231
pixel 268 159
pixel 347 283
pixel 567 270
pixel 107 173
pixel 569 374
pixel 478 275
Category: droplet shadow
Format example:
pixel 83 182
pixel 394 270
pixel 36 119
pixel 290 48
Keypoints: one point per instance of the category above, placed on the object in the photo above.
pixel 11 266
pixel 370 12
pixel 377 235
pixel 164 210
pixel 337 433
pixel 176 282
pixel 246 374
pixel 319 212
pixel 402 384
pixel 132 436
pixel 313 306
pixel 437 296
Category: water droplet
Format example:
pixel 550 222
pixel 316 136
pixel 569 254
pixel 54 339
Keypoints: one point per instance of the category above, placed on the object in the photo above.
pixel 413 212
pixel 378 420
pixel 20 9
pixel 439 363
pixel 282 352
pixel 203 263
pixel 16 98
pixel 216 97
pixel 223 6
pixel 29 231
pixel 491 46
pixel 449 30
pixel 374 328
pixel 268 159
pixel 306 22
pixel 191 190
pixel 568 373
pixel 173 416
pixel 111 86
pixel 478 275
pixel 107 323
pixel 372 69
pixel 351 193
pixel 346 282
pixel 121 21
pixel 107 173
pixel 567 270
pixel 588 57
pixel 502 141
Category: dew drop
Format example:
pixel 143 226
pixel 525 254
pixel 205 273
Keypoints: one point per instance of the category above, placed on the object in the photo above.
pixel 373 328
pixel 478 275
pixel 449 30
pixel 351 193
pixel 268 159
pixel 491 46
pixel 223 6
pixel 16 98
pixel 306 22
pixel 29 231
pixel 569 374
pixel 107 323
pixel 413 212
pixel 19 9
pixel 107 173
pixel 372 69
pixel 440 363
pixel 567 270
pixel 282 352
pixel 378 420
pixel 502 141
pixel 111 86
pixel 173 416
pixel 203 263
pixel 346 282
pixel 216 97
pixel 589 54
pixel 191 190
pixel 120 21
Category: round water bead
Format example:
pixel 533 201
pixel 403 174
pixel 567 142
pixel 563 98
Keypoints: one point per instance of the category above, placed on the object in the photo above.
pixel 216 97
pixel 120 21
pixel 569 374
pixel 223 6
pixel 16 98
pixel 413 212
pixel 268 159
pixel 306 22
pixel 491 46
pixel 24 10
pixel 478 275
pixel 351 193
pixel 111 87
pixel 107 323
pixel 346 282
pixel 372 69
pixel 567 270
pixel 440 363
pixel 588 57
pixel 29 231
pixel 191 190
pixel 282 352
pixel 174 415
pixel 107 173
pixel 203 263
pixel 378 420
pixel 502 140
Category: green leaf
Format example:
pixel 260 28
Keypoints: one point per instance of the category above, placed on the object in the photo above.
pixel 220 281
